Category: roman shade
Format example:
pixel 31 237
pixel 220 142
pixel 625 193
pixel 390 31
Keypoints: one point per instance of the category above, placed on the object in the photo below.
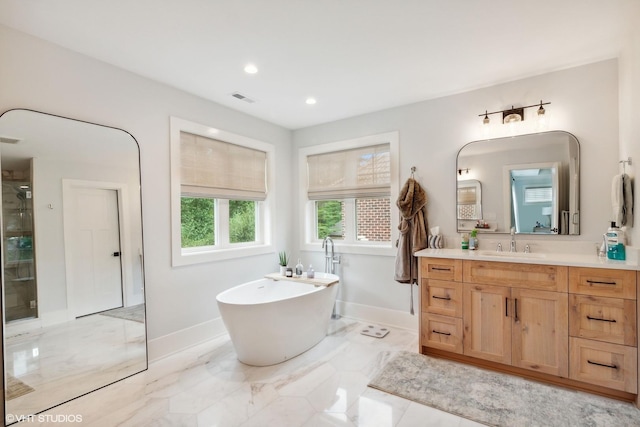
pixel 466 195
pixel 218 169
pixel 355 173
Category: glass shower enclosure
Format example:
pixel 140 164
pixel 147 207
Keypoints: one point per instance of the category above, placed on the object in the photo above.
pixel 20 291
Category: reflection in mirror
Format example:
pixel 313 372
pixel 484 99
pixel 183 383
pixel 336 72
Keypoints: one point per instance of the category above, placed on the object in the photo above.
pixel 469 201
pixel 532 197
pixel 529 182
pixel 72 270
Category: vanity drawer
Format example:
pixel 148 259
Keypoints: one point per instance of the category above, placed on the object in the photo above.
pixel 603 282
pixel 441 269
pixel 442 297
pixel 442 332
pixel 603 319
pixel 603 364
pixel 530 276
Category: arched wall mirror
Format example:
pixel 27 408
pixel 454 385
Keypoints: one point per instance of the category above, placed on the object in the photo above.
pixel 72 260
pixel 529 182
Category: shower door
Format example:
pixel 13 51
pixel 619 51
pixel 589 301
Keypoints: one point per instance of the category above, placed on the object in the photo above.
pixel 20 291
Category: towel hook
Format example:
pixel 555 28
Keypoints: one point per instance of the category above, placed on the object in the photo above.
pixel 413 170
pixel 625 163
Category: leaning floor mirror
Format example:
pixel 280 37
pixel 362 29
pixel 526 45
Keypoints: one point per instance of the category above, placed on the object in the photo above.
pixel 72 259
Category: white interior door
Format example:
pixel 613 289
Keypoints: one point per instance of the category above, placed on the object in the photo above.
pixel 95 251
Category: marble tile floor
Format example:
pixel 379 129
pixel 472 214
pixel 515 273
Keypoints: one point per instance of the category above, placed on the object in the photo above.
pixel 207 386
pixel 69 359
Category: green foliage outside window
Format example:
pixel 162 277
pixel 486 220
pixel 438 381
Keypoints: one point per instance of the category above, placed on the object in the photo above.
pixel 242 221
pixel 197 222
pixel 330 220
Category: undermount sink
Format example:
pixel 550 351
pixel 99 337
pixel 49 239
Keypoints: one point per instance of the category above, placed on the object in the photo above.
pixel 511 254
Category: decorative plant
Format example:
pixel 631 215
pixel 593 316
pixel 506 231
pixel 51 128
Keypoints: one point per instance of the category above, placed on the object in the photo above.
pixel 284 259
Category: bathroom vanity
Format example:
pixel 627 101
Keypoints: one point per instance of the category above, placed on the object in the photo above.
pixel 569 320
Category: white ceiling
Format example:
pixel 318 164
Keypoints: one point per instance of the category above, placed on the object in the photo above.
pixel 354 56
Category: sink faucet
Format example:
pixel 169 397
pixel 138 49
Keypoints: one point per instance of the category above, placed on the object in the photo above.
pixel 328 256
pixel 512 246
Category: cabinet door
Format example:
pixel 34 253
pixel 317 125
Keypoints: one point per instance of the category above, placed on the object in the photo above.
pixel 540 331
pixel 487 325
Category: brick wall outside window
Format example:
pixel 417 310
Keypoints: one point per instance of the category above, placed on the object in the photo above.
pixel 373 219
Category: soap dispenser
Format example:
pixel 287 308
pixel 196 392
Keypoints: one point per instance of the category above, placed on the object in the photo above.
pixel 299 268
pixel 473 240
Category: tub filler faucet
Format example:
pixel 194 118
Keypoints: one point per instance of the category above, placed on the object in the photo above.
pixel 330 258
pixel 330 261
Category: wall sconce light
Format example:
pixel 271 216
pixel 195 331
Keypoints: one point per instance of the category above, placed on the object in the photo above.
pixel 513 114
pixel 466 170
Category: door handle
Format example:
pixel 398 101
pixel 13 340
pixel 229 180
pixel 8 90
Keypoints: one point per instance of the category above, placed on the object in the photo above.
pixel 116 254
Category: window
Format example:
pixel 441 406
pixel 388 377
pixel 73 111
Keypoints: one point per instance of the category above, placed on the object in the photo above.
pixel 348 191
pixel 220 204
pixel 538 195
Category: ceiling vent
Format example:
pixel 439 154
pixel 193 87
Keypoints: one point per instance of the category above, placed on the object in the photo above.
pixel 241 97
pixel 9 140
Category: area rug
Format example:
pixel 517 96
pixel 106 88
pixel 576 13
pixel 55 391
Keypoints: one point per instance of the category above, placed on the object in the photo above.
pixel 135 313
pixel 16 388
pixel 496 399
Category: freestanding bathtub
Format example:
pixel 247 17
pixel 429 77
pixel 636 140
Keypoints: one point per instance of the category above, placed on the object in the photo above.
pixel 270 321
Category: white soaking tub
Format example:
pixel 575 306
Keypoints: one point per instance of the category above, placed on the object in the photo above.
pixel 270 321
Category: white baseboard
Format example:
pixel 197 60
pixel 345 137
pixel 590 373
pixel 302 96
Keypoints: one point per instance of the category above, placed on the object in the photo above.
pixel 378 315
pixel 180 340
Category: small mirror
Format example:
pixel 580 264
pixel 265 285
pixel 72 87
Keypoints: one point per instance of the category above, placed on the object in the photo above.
pixel 529 183
pixel 72 264
pixel 469 204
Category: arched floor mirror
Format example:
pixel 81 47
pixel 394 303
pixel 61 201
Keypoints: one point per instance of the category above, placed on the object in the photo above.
pixel 72 259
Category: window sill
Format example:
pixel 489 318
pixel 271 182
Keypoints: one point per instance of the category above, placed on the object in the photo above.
pixel 190 258
pixel 346 248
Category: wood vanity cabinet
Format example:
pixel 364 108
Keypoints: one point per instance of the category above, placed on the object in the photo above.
pixel 602 323
pixel 441 304
pixel 573 326
pixel 523 322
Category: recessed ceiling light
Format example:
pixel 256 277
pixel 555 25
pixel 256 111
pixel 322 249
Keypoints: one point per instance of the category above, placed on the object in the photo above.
pixel 250 69
pixel 310 101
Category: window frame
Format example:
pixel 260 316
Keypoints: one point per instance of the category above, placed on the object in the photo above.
pixel 223 249
pixel 307 213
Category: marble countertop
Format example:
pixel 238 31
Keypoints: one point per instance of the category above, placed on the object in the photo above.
pixel 572 260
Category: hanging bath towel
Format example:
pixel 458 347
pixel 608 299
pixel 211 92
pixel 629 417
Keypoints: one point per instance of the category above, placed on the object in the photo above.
pixel 622 200
pixel 412 203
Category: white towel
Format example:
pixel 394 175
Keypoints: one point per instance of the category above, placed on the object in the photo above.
pixel 622 200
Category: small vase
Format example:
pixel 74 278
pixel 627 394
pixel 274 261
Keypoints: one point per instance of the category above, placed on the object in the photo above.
pixel 283 270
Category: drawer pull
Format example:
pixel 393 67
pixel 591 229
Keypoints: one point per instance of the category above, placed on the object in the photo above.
pixel 506 307
pixel 598 282
pixel 601 320
pixel 441 333
pixel 602 364
pixel 446 298
pixel 515 310
pixel 440 269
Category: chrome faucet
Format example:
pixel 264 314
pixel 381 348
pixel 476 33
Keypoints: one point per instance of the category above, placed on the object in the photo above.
pixel 512 246
pixel 330 260
pixel 499 248
pixel 328 256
